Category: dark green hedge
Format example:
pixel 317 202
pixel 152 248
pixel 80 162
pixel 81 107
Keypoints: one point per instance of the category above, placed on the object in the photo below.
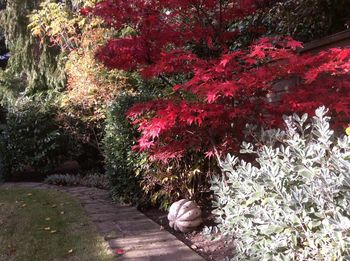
pixel 31 138
pixel 120 161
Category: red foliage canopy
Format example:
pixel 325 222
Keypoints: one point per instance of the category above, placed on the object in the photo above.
pixel 223 89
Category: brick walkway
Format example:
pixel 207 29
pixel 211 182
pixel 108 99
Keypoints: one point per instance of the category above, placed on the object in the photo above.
pixel 123 227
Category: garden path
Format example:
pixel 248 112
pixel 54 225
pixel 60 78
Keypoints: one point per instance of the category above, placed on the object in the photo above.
pixel 126 230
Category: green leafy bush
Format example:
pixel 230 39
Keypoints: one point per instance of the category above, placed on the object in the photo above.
pixel 121 162
pixel 293 202
pixel 31 137
pixel 89 180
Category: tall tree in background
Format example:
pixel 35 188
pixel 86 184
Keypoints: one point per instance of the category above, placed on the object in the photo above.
pixel 33 62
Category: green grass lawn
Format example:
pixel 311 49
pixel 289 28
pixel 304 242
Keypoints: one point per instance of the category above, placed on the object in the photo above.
pixel 41 225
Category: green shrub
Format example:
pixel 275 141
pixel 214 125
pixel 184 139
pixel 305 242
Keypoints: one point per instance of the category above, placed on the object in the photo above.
pixel 89 180
pixel 31 137
pixel 293 202
pixel 121 162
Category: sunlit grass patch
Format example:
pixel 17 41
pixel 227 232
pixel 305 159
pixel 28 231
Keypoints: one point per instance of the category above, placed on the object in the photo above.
pixel 46 225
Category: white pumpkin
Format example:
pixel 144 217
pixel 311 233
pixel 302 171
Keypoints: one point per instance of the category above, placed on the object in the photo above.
pixel 184 215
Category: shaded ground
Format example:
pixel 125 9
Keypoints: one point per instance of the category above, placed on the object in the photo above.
pixel 46 225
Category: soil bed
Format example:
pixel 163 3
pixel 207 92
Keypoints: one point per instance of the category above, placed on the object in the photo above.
pixel 209 249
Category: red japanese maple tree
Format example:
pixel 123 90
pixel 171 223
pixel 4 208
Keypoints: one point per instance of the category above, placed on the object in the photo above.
pixel 221 89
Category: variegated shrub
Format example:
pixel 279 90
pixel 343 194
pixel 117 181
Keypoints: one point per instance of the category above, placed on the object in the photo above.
pixel 292 202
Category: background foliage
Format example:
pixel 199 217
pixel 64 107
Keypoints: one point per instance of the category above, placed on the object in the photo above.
pixel 37 63
pixel 305 21
pixel 32 138
pixel 35 72
pixel 39 69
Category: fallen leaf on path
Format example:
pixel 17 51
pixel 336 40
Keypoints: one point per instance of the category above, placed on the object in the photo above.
pixel 120 251
pixel 11 251
pixel 111 235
